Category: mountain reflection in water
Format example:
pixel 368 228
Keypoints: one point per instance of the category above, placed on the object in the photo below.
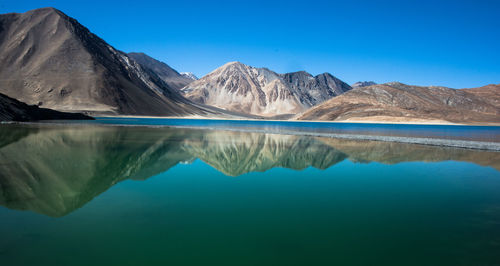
pixel 54 170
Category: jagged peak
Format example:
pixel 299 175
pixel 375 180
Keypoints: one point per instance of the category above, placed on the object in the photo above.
pixel 326 74
pixel 298 73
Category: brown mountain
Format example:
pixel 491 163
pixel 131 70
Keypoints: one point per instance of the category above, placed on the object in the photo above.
pixel 490 93
pixel 51 60
pixel 404 103
pixel 14 110
pixel 170 76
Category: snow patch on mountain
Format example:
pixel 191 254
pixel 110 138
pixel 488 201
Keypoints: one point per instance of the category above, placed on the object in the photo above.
pixel 189 75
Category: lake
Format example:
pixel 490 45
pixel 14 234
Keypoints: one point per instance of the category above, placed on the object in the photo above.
pixel 94 194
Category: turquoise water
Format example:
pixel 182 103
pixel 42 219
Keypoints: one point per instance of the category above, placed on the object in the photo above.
pixel 103 195
pixel 477 133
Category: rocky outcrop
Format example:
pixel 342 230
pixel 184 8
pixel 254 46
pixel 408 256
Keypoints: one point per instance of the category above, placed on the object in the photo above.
pixel 13 110
pixel 313 90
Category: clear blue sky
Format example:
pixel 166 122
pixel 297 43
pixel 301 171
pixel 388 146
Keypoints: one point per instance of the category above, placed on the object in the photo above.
pixel 449 43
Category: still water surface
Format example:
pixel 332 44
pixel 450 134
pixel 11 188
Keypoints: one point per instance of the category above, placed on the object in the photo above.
pixel 103 195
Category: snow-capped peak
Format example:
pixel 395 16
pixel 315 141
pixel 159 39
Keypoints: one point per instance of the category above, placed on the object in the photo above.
pixel 189 75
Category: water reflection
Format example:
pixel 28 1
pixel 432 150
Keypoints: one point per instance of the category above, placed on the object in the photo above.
pixel 54 170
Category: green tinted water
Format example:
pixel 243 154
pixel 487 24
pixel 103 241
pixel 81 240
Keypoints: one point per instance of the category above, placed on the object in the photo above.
pixel 91 195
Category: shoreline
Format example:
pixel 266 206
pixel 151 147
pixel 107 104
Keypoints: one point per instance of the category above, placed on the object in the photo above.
pixel 440 142
pixel 430 122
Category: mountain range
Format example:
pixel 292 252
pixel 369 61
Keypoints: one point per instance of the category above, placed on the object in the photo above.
pixel 50 60
pixel 400 102
pixel 260 91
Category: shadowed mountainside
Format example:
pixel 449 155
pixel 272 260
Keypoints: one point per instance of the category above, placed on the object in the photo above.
pixel 51 60
pixel 170 76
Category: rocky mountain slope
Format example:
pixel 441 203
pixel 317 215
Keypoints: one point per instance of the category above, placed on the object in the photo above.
pixel 170 76
pixel 313 90
pixel 260 91
pixel 404 103
pixel 51 60
pixel 489 93
pixel 13 110
pixel 360 84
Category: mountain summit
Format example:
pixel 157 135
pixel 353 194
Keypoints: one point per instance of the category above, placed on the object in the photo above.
pixel 51 60
pixel 260 91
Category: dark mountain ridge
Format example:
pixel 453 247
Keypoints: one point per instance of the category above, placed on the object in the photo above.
pixel 14 110
pixel 170 76
pixel 49 59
